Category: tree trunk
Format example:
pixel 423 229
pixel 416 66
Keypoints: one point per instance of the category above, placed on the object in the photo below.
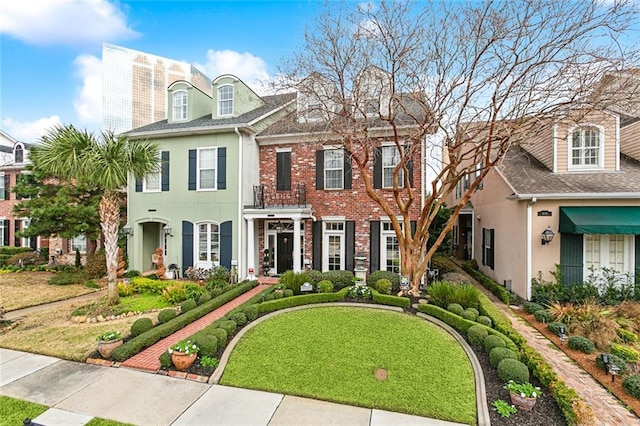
pixel 110 219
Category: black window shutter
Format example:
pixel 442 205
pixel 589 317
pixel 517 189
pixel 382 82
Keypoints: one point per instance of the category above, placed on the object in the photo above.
pixel 350 244
pixel 377 168
pixel 6 224
pixel 33 241
pixel 320 169
pixel 222 168
pixel 409 164
pixel 374 246
pixel 187 245
pixel 226 244
pixel 484 241
pixel 193 155
pixel 165 170
pixel 636 270
pixel 571 258
pixel 492 249
pixel 7 186
pixel 347 171
pixel 317 245
pixel 16 228
pixel 283 171
pixel 138 185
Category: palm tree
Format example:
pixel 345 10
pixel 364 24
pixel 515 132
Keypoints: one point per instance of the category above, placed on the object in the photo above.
pixel 104 162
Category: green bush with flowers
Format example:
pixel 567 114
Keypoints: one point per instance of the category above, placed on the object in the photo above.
pixel 526 389
pixel 359 291
pixel 186 347
pixel 110 336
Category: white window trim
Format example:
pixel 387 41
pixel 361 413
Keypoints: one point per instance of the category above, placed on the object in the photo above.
pixel 382 167
pixel 629 253
pixel 220 114
pixel 325 243
pixel 2 230
pixel 574 168
pixel 215 168
pixel 206 264
pixel 184 109
pixel 72 248
pixel 324 171
pixel 383 242
pixel 24 224
pixel 144 180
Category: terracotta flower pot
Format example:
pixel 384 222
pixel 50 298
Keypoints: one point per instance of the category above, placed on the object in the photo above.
pixel 182 361
pixel 522 402
pixel 105 347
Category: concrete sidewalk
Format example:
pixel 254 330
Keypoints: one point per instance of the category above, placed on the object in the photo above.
pixel 78 392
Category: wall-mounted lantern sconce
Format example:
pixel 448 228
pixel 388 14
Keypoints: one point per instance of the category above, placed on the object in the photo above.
pixel 279 227
pixel 547 236
pixel 167 230
pixel 127 230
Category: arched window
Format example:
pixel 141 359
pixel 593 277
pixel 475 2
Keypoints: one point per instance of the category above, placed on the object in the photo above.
pixel 180 105
pixel 585 149
pixel 225 100
pixel 18 154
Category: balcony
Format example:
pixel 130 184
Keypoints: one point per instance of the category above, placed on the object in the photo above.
pixel 267 196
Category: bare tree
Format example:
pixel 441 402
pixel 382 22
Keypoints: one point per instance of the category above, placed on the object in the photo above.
pixel 490 71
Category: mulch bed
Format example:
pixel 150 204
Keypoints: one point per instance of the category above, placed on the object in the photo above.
pixel 586 362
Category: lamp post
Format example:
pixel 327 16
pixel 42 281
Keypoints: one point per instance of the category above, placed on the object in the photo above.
pixel 563 336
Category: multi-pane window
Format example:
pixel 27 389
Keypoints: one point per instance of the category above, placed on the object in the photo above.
pixel 3 189
pixel 390 249
pixel 151 182
pixel 334 240
pixel 25 241
pixel 78 243
pixel 208 243
pixel 225 100
pixel 390 159
pixel 585 147
pixel 488 249
pixel 615 252
pixel 18 154
pixel 207 166
pixel 180 105
pixel 333 169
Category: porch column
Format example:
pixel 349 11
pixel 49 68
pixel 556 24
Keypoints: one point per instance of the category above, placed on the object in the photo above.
pixel 251 263
pixel 297 267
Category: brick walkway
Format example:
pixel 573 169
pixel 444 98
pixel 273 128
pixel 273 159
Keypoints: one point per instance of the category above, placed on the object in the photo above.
pixel 607 409
pixel 148 359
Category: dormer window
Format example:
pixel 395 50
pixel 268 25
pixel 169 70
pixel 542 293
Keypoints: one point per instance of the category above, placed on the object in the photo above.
pixel 18 154
pixel 225 100
pixel 585 148
pixel 180 105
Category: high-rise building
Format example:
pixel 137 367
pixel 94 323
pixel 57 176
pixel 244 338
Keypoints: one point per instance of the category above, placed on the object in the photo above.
pixel 134 86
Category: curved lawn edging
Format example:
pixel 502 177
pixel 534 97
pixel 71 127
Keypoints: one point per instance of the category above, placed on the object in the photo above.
pixel 481 403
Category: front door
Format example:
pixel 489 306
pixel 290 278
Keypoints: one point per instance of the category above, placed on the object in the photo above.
pixel 285 252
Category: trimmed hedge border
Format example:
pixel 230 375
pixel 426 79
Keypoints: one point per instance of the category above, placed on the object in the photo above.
pixel 495 288
pixel 161 331
pixel 305 299
pixel 385 299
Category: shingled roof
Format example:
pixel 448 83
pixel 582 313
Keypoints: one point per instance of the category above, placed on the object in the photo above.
pixel 272 102
pixel 528 176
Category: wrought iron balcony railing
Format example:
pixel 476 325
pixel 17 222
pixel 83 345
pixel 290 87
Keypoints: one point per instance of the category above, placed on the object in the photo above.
pixel 268 196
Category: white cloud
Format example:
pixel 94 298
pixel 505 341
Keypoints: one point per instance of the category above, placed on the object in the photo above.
pixel 88 99
pixel 64 22
pixel 249 68
pixel 30 131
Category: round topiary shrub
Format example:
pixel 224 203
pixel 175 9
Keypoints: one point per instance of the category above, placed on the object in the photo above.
pixel 287 293
pixel 555 327
pixel 204 298
pixel 493 341
pixel 469 314
pixel 581 344
pixel 532 307
pixel 166 315
pixel 632 385
pixel 383 286
pixel 278 294
pixel 165 360
pixel 208 344
pixel 476 335
pixel 240 318
pixel 222 335
pixel 543 316
pixel 498 354
pixel 188 305
pixel 229 326
pixel 613 359
pixel 251 312
pixel 324 286
pixel 484 321
pixel 268 297
pixel 512 369
pixel 456 308
pixel 140 326
pixel 474 310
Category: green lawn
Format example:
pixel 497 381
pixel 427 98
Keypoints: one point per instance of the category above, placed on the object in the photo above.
pixel 332 353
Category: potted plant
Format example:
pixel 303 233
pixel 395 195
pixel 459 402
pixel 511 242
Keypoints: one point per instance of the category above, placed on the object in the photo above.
pixel 523 395
pixel 183 354
pixel 107 342
pixel 280 288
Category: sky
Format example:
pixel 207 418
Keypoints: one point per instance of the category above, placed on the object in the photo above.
pixel 50 50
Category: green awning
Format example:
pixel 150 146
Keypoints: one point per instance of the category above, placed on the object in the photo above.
pixel 600 220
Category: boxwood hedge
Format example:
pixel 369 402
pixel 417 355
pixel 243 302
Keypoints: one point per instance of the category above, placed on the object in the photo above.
pixel 385 299
pixel 305 299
